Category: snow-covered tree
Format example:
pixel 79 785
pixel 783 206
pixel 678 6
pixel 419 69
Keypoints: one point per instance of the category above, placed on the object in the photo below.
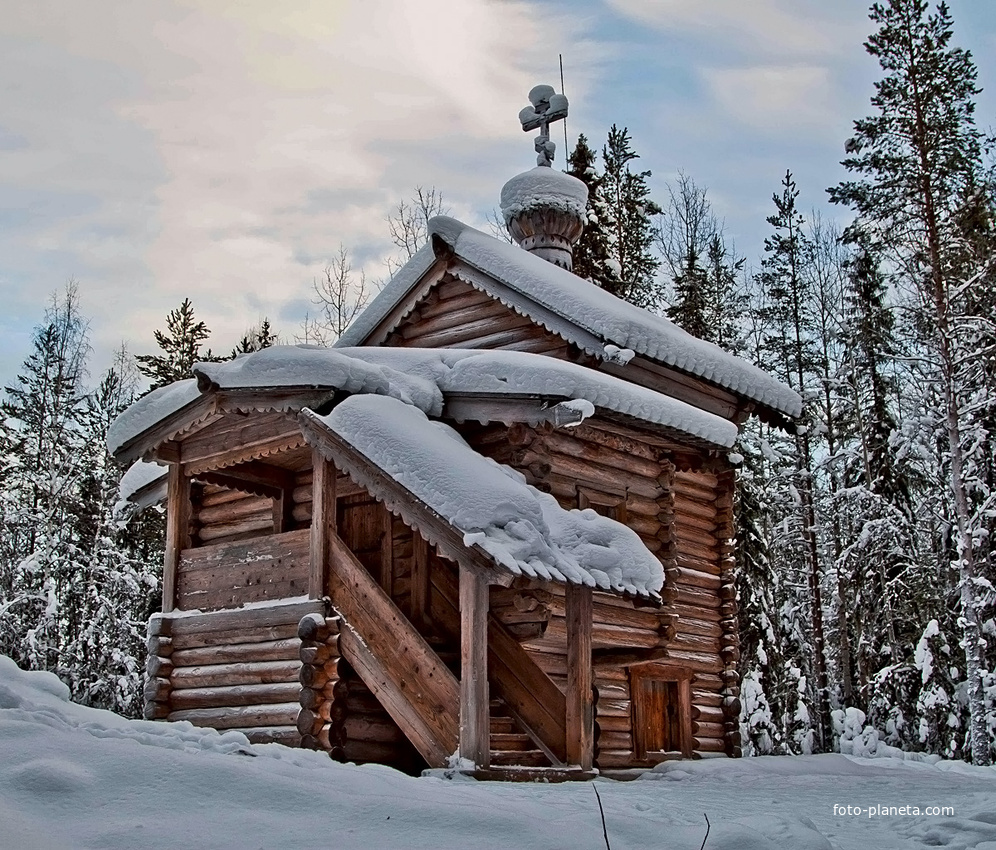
pixel 917 161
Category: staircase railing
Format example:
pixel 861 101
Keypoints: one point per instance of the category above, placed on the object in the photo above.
pixel 393 659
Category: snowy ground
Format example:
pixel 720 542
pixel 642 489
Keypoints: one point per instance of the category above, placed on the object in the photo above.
pixel 75 777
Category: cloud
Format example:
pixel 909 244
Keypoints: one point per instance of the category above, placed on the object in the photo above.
pixel 771 27
pixel 222 150
pixel 782 99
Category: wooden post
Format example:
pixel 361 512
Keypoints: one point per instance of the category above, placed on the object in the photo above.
pixel 283 511
pixel 580 705
pixel 420 578
pixel 323 523
pixel 177 530
pixel 387 551
pixel 475 714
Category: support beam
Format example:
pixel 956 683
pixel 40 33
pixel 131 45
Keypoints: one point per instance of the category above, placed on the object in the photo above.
pixel 323 524
pixel 580 702
pixel 420 578
pixel 475 714
pixel 177 530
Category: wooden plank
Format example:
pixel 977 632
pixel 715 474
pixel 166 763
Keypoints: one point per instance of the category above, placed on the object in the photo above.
pixel 237 430
pixel 580 725
pixel 426 695
pixel 233 574
pixel 380 681
pixel 475 722
pixel 177 531
pixel 420 579
pixel 323 522
pixel 386 550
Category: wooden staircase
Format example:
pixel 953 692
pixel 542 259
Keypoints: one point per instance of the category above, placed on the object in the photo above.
pixel 510 743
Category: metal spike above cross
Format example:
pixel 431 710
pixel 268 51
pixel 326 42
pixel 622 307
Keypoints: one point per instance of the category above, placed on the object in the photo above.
pixel 547 107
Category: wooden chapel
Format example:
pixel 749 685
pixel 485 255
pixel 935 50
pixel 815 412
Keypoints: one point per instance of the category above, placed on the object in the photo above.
pixel 492 528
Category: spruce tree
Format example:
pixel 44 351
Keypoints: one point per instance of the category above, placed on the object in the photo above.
pixel 256 338
pixel 631 233
pixel 916 160
pixel 591 252
pixel 181 347
pixel 791 355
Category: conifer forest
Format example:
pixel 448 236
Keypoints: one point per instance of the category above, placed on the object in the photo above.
pixel 865 531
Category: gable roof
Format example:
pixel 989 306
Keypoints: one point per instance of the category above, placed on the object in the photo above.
pixel 576 309
pixel 424 470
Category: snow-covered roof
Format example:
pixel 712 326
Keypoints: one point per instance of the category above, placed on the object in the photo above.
pixel 149 410
pixel 582 305
pixel 424 377
pixel 522 529
pixel 143 483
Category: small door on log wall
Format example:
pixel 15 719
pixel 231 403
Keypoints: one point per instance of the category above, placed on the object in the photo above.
pixel 662 708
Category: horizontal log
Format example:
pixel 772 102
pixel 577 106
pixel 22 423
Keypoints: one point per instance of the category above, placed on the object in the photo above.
pixel 367 729
pixel 698 661
pixel 157 690
pixel 158 666
pixel 614 723
pixel 155 710
pixel 251 635
pixel 605 636
pixel 592 450
pixel 214 494
pixel 239 673
pixel 695 578
pixel 286 735
pixel 247 618
pixel 235 511
pixel 708 745
pixel 282 714
pixel 320 653
pixel 615 740
pixel 699 479
pixel 707 713
pixel 612 707
pixel 273 650
pixel 234 695
pixel 702 729
pixel 214 533
pixel 692 508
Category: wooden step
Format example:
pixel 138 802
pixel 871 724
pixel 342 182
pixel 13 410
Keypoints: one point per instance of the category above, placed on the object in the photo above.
pixel 502 725
pixel 521 758
pixel 511 741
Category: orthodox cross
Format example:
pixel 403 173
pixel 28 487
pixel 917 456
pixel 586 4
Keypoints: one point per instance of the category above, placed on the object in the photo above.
pixel 547 107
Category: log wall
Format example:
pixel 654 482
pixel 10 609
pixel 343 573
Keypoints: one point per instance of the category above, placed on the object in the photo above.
pixel 221 515
pixel 229 670
pixel 685 518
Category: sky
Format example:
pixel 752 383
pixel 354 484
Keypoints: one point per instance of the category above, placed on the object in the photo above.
pixel 223 151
